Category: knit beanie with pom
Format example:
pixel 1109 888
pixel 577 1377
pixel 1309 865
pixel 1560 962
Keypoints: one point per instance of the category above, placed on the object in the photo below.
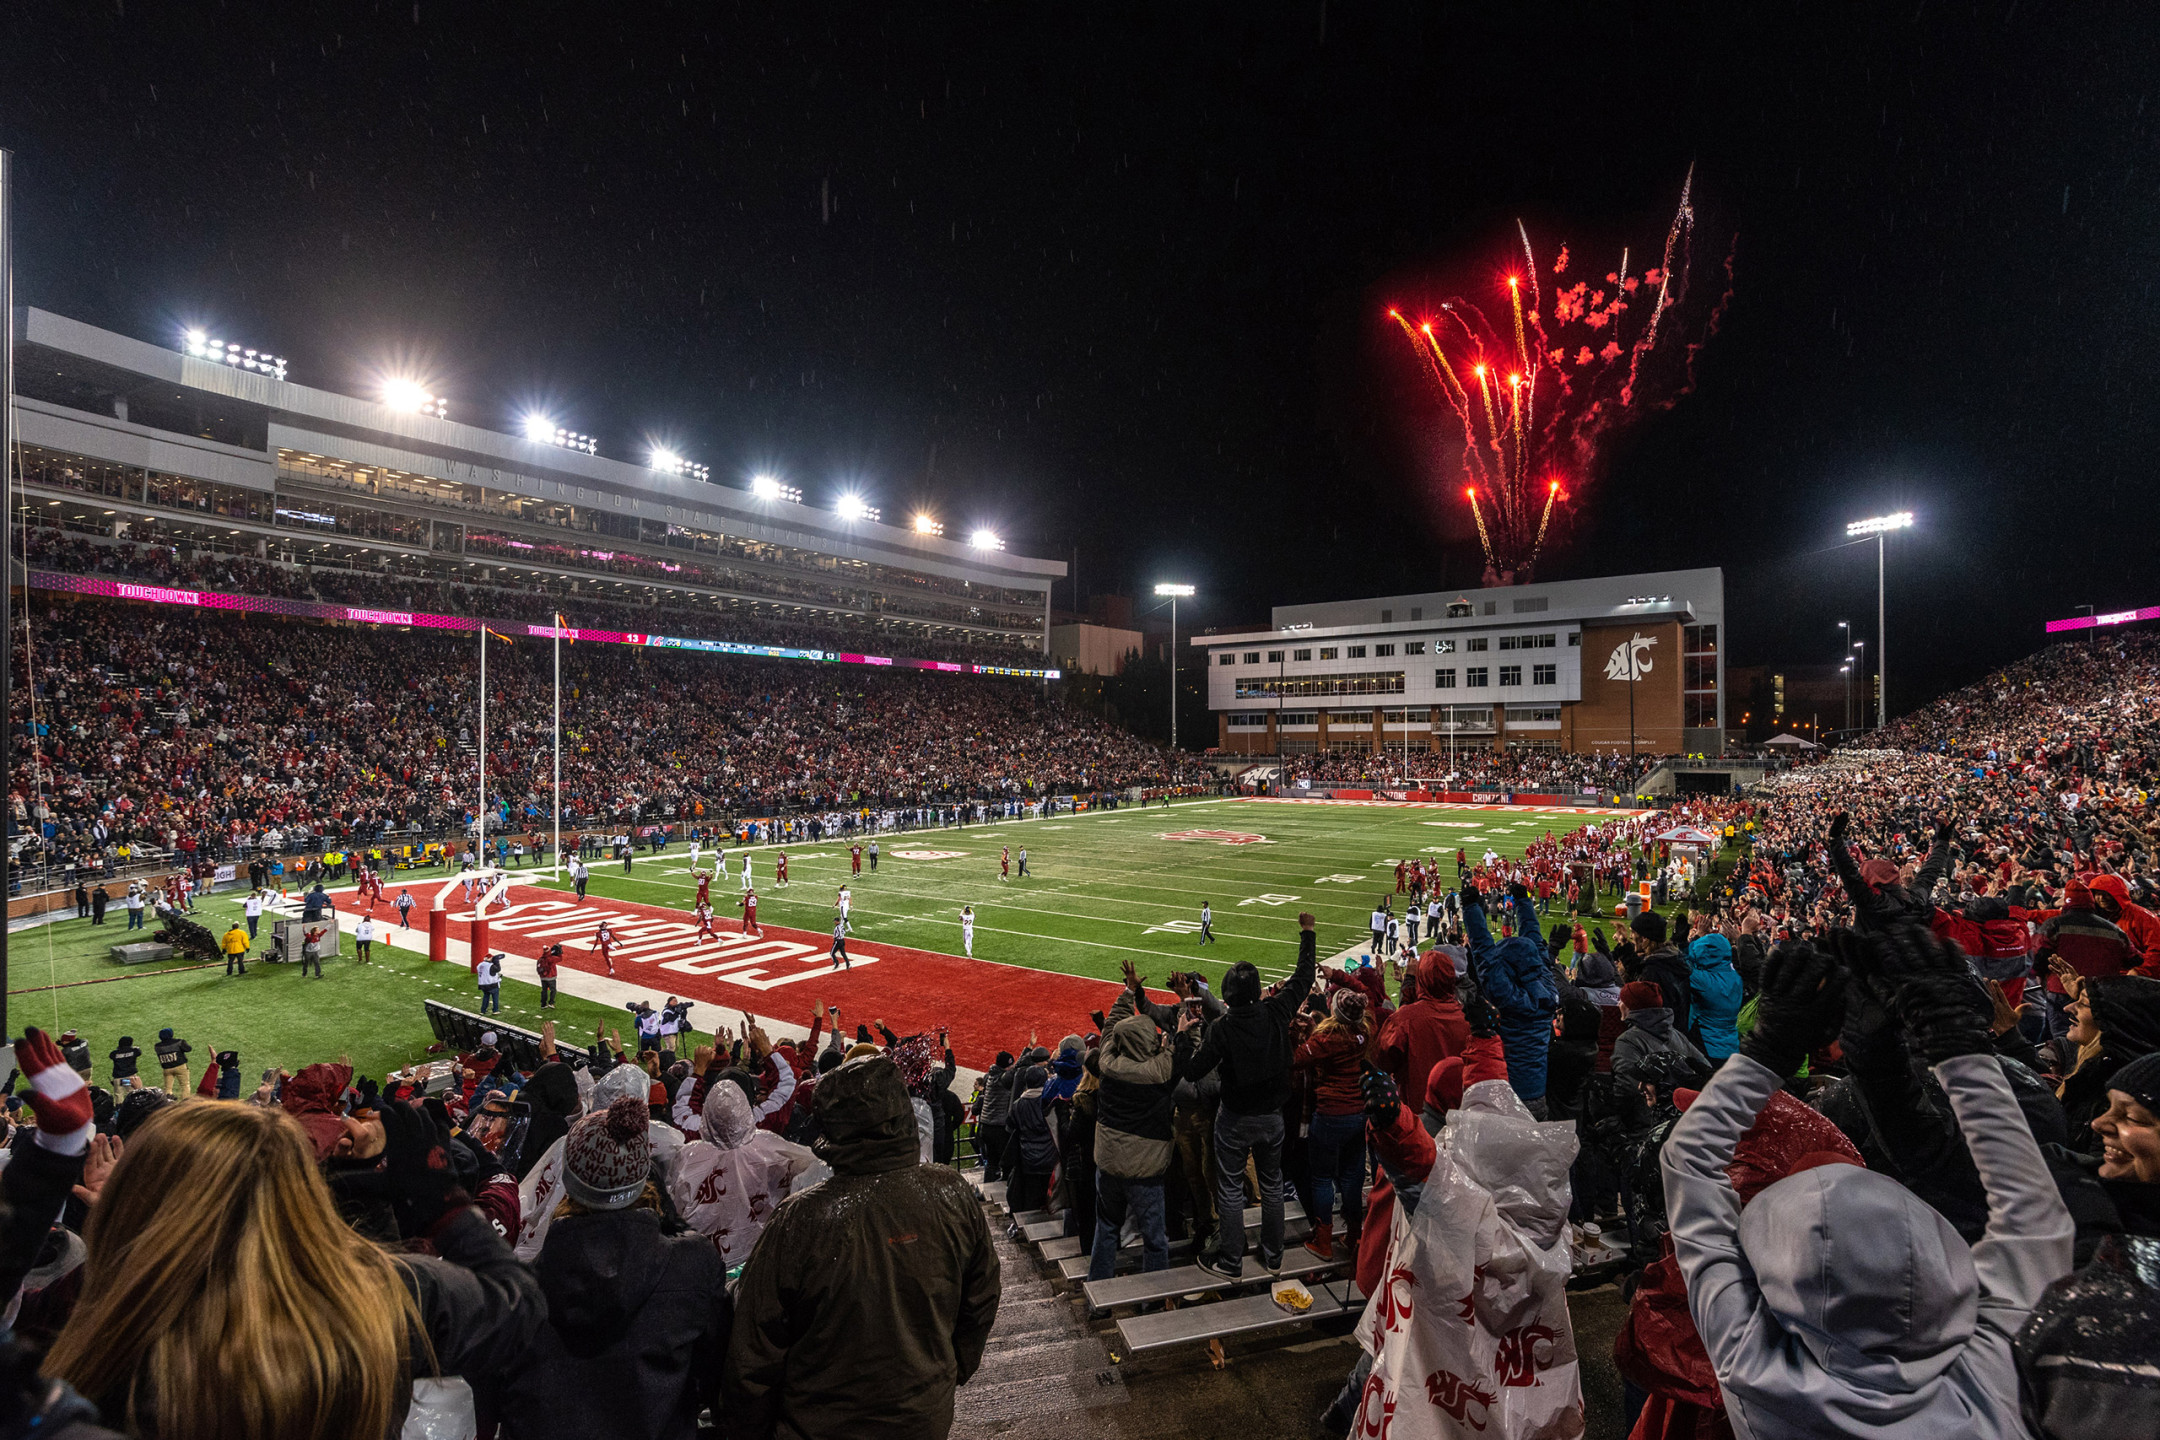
pixel 608 1156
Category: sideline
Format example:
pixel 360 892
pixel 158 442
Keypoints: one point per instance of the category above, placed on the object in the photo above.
pixel 1068 818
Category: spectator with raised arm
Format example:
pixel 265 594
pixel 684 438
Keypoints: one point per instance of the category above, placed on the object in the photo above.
pixel 1251 1045
pixel 1838 1303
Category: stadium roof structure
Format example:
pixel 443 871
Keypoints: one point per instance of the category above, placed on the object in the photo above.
pixel 54 351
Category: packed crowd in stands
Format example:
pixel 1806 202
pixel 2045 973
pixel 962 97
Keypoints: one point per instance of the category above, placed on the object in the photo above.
pixel 425 585
pixel 1878 1119
pixel 1474 766
pixel 204 731
pixel 593 1244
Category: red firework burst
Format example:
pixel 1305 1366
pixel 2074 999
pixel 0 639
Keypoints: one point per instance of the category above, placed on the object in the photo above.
pixel 1538 393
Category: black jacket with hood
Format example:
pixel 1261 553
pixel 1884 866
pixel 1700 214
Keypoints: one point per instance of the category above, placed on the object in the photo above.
pixel 553 1094
pixel 637 1330
pixel 1252 1043
pixel 869 1298
pixel 1667 968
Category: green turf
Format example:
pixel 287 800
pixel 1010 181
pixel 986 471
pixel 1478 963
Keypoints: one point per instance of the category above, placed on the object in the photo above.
pixel 1101 890
pixel 1102 886
pixel 273 1015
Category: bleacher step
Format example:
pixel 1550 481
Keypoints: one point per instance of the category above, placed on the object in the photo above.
pixel 1075 1265
pixel 1245 1315
pixel 1191 1279
pixel 1043 1231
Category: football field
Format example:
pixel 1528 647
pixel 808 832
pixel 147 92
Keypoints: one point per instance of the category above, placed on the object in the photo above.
pixel 1102 888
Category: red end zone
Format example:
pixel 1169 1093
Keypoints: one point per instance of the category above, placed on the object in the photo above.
pixel 986 1007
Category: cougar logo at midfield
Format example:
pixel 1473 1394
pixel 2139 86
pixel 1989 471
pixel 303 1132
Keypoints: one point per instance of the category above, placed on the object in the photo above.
pixel 1616 668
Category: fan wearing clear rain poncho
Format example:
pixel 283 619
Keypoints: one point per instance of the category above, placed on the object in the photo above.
pixel 727 1181
pixel 1468 1333
pixel 1838 1303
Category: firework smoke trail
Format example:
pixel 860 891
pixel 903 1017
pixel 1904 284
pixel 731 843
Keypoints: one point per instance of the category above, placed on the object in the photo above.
pixel 1604 366
pixel 1682 232
pixel 1450 385
pixel 1682 237
pixel 1479 516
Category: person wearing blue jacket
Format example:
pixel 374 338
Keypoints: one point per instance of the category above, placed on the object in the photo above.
pixel 1714 982
pixel 1516 975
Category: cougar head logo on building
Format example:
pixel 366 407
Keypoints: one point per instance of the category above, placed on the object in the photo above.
pixel 1616 668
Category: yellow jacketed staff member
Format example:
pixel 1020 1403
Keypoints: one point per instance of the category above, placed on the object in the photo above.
pixel 235 946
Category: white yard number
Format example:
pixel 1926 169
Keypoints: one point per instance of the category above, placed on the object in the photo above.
pixel 1340 880
pixel 1269 900
pixel 1176 927
pixel 1455 824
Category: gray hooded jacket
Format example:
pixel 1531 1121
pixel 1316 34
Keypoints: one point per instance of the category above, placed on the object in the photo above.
pixel 1132 1106
pixel 1650 1032
pixel 1839 1304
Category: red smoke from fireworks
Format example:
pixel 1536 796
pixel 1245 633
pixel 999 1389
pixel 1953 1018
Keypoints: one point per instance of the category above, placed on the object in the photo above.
pixel 1540 392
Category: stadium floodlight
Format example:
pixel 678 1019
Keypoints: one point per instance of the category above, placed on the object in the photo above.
pixel 928 525
pixel 230 352
pixel 854 507
pixel 542 430
pixel 767 487
pixel 986 540
pixel 1879 526
pixel 667 462
pixel 412 398
pixel 1176 593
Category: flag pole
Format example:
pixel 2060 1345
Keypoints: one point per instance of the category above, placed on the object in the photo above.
pixel 558 743
pixel 481 857
pixel 7 549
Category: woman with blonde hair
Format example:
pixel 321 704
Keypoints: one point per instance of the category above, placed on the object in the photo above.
pixel 224 1299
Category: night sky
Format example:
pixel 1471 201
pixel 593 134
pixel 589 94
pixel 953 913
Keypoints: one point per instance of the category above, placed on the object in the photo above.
pixel 1113 278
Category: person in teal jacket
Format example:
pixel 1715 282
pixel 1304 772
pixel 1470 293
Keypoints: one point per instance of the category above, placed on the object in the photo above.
pixel 1714 1017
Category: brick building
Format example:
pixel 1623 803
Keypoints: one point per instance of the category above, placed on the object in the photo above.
pixel 1547 666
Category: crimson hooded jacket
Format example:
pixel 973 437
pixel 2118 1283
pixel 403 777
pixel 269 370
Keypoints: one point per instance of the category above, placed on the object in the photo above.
pixel 1335 1054
pixel 1426 1031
